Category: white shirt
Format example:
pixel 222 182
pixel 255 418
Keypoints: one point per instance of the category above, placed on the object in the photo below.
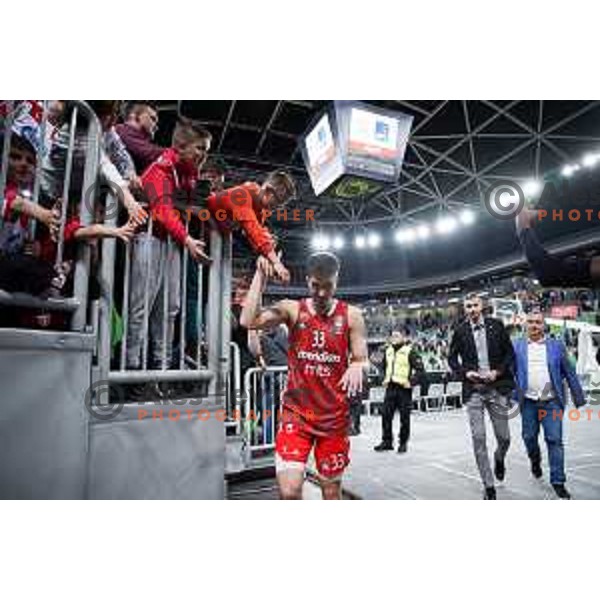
pixel 480 337
pixel 538 376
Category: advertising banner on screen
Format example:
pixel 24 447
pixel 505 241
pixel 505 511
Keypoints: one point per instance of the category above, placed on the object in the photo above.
pixel 374 135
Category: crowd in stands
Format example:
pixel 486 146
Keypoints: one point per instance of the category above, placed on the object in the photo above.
pixel 430 331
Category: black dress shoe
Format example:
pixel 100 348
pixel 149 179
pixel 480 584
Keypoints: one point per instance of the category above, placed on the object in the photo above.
pixel 383 447
pixel 402 448
pixel 561 491
pixel 536 468
pixel 490 493
pixel 499 470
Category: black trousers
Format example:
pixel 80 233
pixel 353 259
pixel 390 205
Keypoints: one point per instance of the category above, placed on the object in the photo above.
pixel 355 410
pixel 396 398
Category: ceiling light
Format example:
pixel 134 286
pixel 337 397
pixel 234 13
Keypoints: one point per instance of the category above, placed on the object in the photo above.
pixel 423 232
pixel 338 242
pixel 321 242
pixel 531 188
pixel 568 170
pixel 445 225
pixel 374 240
pixel 467 217
pixel 360 241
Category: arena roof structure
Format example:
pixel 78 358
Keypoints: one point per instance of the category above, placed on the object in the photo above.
pixel 456 147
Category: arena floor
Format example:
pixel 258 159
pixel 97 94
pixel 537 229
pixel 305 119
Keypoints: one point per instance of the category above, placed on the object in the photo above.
pixel 440 464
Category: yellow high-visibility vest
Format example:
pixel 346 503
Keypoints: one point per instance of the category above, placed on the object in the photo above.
pixel 397 365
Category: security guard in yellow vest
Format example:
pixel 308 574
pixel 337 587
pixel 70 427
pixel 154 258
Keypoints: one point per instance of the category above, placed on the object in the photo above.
pixel 403 367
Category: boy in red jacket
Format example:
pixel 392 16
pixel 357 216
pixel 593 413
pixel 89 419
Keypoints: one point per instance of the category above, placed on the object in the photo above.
pixel 249 205
pixel 156 260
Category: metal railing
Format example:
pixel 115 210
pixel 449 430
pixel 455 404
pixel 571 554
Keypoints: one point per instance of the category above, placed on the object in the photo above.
pixel 208 361
pixel 261 404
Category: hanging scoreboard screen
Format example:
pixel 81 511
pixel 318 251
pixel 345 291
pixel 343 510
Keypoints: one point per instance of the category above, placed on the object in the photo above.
pixel 354 149
pixel 324 160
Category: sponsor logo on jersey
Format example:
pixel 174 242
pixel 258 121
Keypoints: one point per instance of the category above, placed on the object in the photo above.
pixel 320 357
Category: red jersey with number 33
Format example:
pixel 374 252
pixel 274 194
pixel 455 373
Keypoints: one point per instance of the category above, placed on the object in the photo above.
pixel 317 359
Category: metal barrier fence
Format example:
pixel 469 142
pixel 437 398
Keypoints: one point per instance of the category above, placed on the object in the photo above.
pixel 69 169
pixel 69 173
pixel 261 403
pixel 166 357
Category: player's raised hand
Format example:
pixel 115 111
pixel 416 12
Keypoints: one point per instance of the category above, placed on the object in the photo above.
pixel 264 265
pixel 282 273
pixel 352 380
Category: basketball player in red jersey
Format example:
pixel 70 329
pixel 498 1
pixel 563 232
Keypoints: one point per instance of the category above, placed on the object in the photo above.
pixel 326 357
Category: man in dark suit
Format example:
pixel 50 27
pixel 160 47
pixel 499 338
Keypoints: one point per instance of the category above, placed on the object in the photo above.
pixel 481 354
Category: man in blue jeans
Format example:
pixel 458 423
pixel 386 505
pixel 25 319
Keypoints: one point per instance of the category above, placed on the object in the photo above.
pixel 542 367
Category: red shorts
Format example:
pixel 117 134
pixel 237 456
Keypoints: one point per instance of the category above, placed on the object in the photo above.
pixel 294 443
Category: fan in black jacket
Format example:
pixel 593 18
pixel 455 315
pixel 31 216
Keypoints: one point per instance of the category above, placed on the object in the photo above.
pixel 549 269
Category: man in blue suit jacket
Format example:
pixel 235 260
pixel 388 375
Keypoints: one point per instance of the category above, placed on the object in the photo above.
pixel 542 367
